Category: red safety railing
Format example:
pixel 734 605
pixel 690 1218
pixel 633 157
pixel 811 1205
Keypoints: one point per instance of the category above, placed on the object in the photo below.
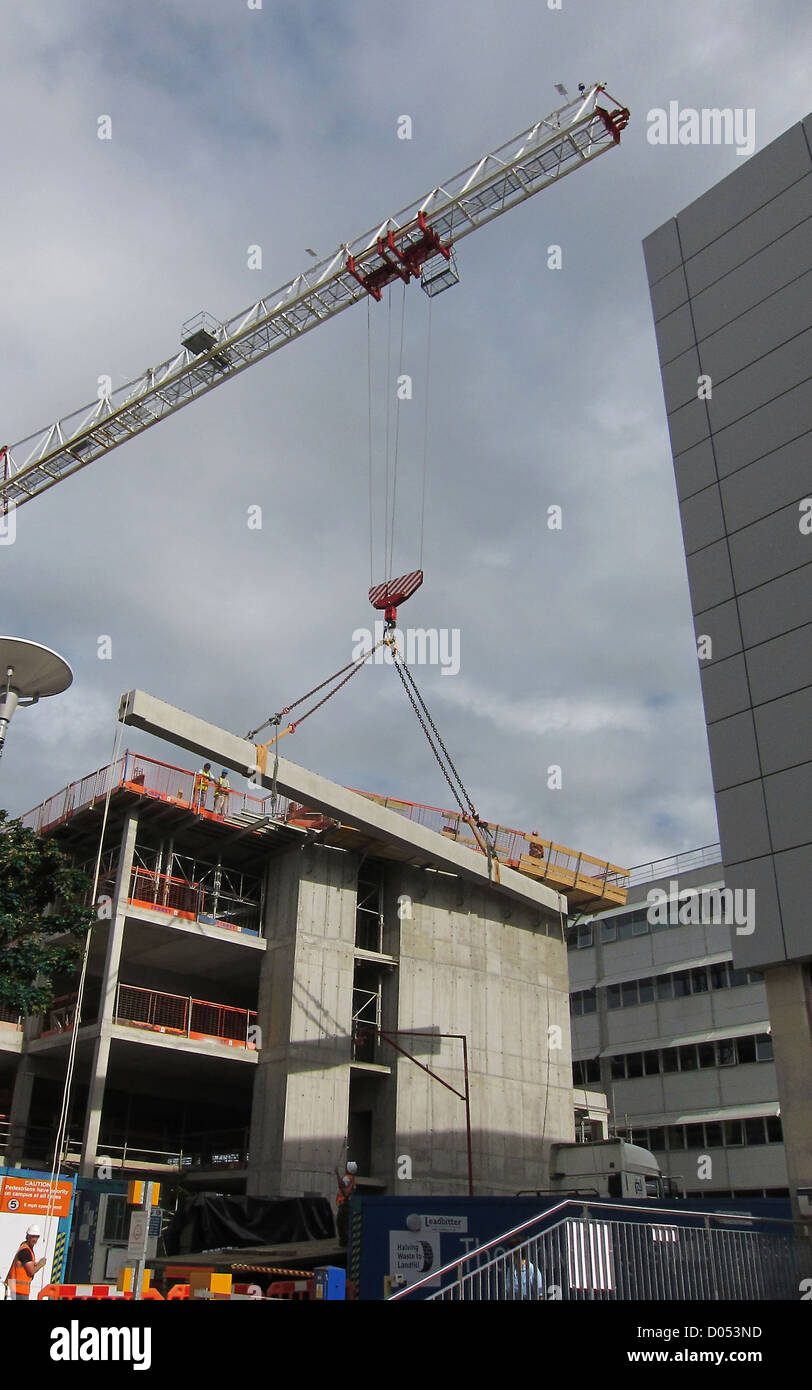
pixel 184 1016
pixel 148 777
pixel 165 782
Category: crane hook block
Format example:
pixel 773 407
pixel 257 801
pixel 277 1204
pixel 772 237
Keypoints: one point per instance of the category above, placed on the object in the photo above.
pixel 394 591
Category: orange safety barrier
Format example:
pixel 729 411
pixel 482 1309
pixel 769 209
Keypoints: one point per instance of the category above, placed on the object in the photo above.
pixel 294 1289
pixel 178 1291
pixel 82 1291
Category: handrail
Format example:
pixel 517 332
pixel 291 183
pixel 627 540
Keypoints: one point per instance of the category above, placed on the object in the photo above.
pixel 584 1208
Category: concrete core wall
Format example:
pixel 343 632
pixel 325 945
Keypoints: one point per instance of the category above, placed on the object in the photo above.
pixel 301 1091
pixel 473 964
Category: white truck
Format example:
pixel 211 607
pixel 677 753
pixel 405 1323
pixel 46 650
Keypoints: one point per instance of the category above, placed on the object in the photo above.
pixel 607 1168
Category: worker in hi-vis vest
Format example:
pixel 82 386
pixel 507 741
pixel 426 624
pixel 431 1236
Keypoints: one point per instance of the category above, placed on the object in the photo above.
pixel 203 780
pixel 222 787
pixel 24 1266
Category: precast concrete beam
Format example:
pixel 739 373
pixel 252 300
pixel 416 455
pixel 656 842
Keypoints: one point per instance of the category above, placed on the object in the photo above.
pixel 424 847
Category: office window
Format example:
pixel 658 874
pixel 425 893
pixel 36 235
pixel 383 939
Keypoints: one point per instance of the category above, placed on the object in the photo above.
pixel 670 1059
pixel 576 1005
pixel 746 1050
pixel 651 1063
pixel 665 987
pixel 613 997
pixel 584 936
pixel 707 1054
pixel 676 1137
pixel 628 994
pixel 639 927
pixel 713 1136
pixel 645 989
pixel 592 1070
pixel 719 975
pixel 634 1064
pixel 775 1134
pixel 726 1053
pixel 617 1068
pixel 754 1131
pixel 734 1137
pixel 737 977
pixel 608 932
pixel 656 1138
pixel 682 983
pixel 694 1137
pixel 699 980
pixel 687 1058
pixel 624 931
pixel 764 1048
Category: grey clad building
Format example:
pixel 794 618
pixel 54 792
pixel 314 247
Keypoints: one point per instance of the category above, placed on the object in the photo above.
pixel 731 289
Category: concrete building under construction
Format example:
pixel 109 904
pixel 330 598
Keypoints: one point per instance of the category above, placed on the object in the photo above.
pixel 257 975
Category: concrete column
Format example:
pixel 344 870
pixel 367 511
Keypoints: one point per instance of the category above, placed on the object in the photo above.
pixel 789 1004
pixel 101 1051
pixel 20 1111
pixel 301 1089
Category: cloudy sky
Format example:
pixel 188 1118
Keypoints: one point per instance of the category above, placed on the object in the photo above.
pixel 278 127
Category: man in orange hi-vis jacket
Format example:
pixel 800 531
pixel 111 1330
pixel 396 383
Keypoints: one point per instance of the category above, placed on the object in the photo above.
pixel 24 1265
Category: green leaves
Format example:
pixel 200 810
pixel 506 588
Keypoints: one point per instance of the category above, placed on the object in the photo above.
pixel 42 920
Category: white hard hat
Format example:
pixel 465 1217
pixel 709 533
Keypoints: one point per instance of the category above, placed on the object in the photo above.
pixel 352 1167
pixel 33 1231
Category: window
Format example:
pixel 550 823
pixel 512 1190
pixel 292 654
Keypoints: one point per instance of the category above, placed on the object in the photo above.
pixel 575 1005
pixel 613 997
pixel 670 1059
pixel 754 1131
pixel 694 1137
pixel 764 1048
pixel 584 936
pixel 707 1054
pixel 726 1053
pixel 699 981
pixel 116 1217
pixel 682 983
pixel 608 931
pixel 628 994
pixel 733 1134
pixel 713 1136
pixel 665 987
pixel 754 977
pixel 676 1137
pixel 639 927
pixel 687 1058
pixel 634 1064
pixel 624 931
pixel 746 1050
pixel 645 990
pixel 775 1134
pixel 718 975
pixel 617 1068
pixel 737 977
pixel 651 1063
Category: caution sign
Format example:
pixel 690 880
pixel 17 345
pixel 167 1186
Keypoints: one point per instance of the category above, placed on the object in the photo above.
pixel 35 1197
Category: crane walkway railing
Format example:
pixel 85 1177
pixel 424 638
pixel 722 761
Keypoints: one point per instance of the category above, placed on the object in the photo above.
pixel 609 1252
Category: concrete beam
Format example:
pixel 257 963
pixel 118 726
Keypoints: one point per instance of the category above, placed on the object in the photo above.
pixel 426 847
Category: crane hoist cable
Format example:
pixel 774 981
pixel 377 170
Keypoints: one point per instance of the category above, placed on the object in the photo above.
pixel 274 720
pixel 480 829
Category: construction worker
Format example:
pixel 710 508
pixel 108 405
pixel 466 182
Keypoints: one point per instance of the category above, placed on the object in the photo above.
pixel 346 1187
pixel 221 790
pixel 203 780
pixel 24 1266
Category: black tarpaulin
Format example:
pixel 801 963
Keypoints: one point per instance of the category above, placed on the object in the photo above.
pixel 209 1221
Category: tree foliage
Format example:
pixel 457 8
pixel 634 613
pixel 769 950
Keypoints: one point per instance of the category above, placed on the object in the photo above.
pixel 42 920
